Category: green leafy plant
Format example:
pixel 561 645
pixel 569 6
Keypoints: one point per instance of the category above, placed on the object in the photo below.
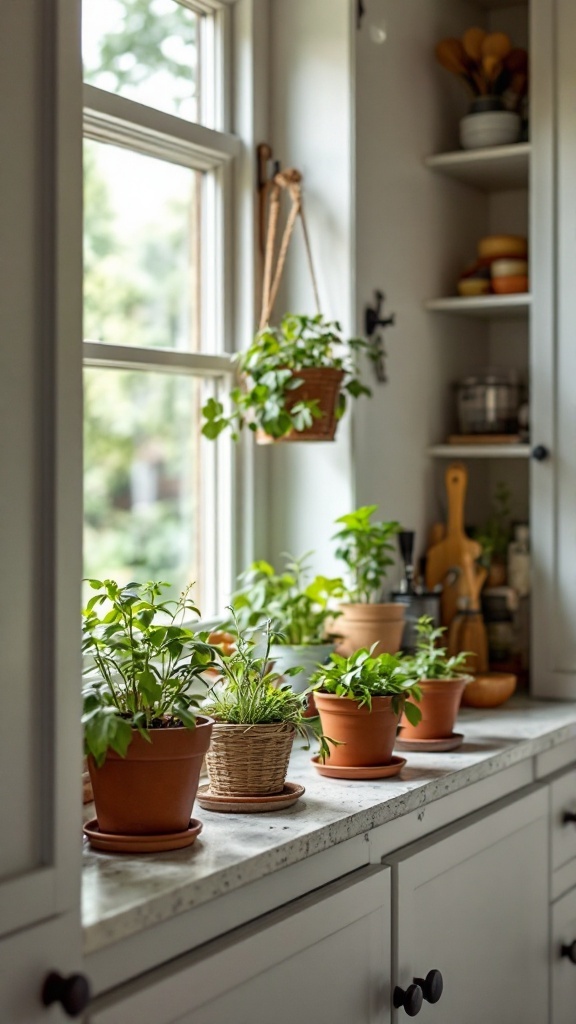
pixel 248 692
pixel 269 369
pixel 146 664
pixel 496 534
pixel 363 676
pixel 365 549
pixel 429 660
pixel 299 611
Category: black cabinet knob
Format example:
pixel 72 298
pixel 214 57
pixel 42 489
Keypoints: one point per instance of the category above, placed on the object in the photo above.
pixel 411 999
pixel 73 992
pixel 540 453
pixel 569 951
pixel 432 986
pixel 569 818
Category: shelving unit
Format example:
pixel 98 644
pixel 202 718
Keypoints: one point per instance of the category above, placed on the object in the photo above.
pixel 480 451
pixel 496 169
pixel 484 307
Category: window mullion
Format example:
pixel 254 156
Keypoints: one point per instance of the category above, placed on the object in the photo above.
pixel 128 357
pixel 117 120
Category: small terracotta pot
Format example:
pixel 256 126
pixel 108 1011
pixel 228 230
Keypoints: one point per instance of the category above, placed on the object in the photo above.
pixel 361 625
pixel 152 789
pixel 367 735
pixel 321 384
pixel 439 706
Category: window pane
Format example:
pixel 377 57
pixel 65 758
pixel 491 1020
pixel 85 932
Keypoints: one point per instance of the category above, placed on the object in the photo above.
pixel 141 251
pixel 145 50
pixel 145 483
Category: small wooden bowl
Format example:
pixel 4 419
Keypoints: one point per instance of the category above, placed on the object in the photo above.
pixel 489 690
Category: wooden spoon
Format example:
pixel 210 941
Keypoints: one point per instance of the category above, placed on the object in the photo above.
pixel 450 54
pixel 472 42
pixel 497 44
pixel 492 68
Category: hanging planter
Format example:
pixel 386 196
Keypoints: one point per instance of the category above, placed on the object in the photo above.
pixel 295 378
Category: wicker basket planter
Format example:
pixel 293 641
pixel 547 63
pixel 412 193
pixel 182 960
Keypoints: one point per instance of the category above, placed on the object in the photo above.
pixel 249 760
pixel 322 384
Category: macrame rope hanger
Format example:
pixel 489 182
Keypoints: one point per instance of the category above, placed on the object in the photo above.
pixel 289 181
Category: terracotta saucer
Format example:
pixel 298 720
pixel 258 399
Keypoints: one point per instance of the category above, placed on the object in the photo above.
pixel 380 771
pixel 250 804
pixel 429 746
pixel 112 843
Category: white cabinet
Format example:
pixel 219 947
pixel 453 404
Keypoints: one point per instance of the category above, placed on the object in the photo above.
pixel 324 958
pixel 40 460
pixel 474 906
pixel 554 367
pixel 563 958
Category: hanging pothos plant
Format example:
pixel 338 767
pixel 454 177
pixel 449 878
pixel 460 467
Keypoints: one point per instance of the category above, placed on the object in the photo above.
pixel 277 397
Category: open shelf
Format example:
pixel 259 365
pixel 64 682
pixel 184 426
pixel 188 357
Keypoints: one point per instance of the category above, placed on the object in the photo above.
pixel 497 5
pixel 485 306
pixel 480 451
pixel 496 169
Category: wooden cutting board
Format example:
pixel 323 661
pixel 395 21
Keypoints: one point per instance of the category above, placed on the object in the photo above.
pixel 449 553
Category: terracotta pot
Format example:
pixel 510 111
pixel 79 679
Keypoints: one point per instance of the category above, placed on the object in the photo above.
pixel 152 789
pixel 497 573
pixel 361 625
pixel 489 690
pixel 323 385
pixel 367 735
pixel 249 760
pixel 439 707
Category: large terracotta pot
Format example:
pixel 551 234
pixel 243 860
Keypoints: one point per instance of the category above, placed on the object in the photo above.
pixel 152 789
pixel 367 735
pixel 439 706
pixel 321 384
pixel 361 625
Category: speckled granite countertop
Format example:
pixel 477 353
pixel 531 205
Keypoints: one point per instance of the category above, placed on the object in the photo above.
pixel 123 894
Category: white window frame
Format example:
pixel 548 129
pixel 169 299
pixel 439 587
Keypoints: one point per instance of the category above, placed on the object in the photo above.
pixel 110 118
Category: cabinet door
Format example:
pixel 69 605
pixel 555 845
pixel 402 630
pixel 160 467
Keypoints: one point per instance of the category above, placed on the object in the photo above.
pixel 563 968
pixel 553 353
pixel 322 959
pixel 40 499
pixel 474 905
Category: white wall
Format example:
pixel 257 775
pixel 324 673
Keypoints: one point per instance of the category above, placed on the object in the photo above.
pixel 311 129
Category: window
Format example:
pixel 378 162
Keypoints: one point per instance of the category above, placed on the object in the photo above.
pixel 158 497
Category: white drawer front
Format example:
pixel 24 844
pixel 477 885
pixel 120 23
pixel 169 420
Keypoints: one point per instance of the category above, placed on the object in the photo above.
pixel 563 831
pixel 563 935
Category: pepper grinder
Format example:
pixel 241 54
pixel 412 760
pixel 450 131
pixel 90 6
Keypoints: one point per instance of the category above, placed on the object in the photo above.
pixel 406 543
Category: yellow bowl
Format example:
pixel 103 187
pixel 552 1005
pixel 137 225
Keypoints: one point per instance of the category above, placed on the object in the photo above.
pixel 489 690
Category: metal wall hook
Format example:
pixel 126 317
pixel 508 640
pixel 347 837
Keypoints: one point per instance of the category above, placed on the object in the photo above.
pixel 374 326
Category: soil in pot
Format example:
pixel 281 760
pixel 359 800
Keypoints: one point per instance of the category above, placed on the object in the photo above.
pixel 366 735
pixel 249 760
pixel 361 625
pixel 151 791
pixel 439 706
pixel 321 384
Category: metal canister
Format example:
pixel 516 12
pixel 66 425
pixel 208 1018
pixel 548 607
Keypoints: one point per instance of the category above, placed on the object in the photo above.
pixel 425 603
pixel 488 403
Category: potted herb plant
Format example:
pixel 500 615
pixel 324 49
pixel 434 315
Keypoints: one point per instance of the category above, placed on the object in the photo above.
pixel 143 737
pixel 256 718
pixel 300 613
pixel 365 546
pixel 441 680
pixel 495 536
pixel 295 382
pixel 360 700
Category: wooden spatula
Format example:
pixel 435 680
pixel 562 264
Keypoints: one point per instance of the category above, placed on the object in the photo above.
pixel 448 553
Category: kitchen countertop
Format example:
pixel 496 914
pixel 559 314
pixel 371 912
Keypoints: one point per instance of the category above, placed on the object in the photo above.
pixel 124 894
